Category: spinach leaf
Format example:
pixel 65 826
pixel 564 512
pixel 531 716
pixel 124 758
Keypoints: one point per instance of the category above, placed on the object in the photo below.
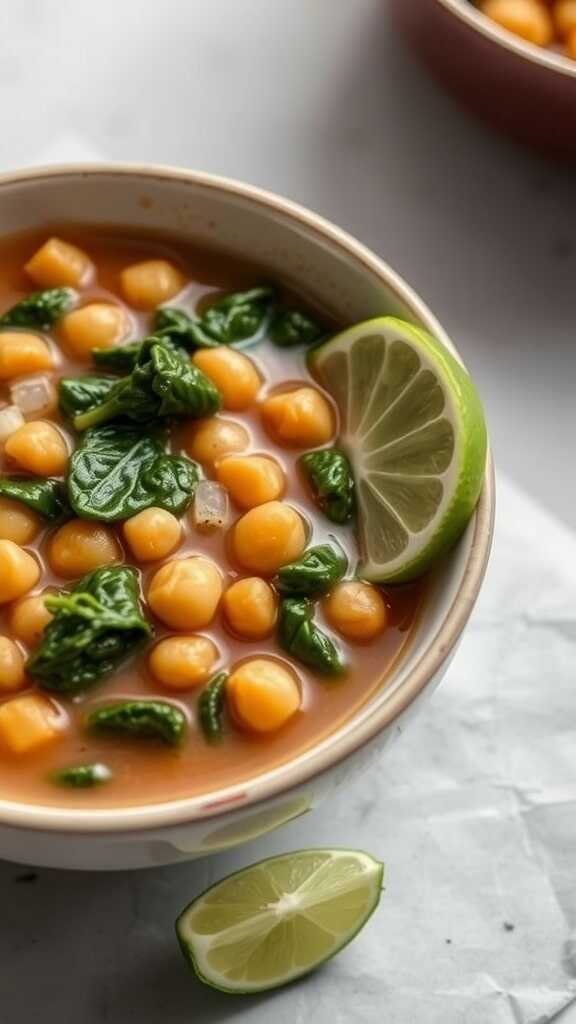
pixel 82 776
pixel 163 383
pixel 48 497
pixel 211 706
pixel 329 474
pixel 116 471
pixel 292 327
pixel 119 359
pixel 40 310
pixel 315 573
pixel 78 394
pixel 95 627
pixel 239 317
pixel 302 640
pixel 140 719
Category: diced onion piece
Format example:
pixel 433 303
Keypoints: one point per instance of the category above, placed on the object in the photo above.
pixel 11 419
pixel 210 510
pixel 33 395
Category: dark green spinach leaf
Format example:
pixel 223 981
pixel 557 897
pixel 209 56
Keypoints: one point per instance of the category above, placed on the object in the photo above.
pixel 119 359
pixel 239 317
pixel 47 497
pixel 164 383
pixel 140 719
pixel 117 471
pixel 78 394
pixel 40 310
pixel 95 627
pixel 303 640
pixel 315 573
pixel 82 776
pixel 292 327
pixel 211 706
pixel 330 477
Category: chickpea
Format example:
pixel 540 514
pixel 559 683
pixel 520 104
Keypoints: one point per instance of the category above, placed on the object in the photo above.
pixel 21 353
pixel 183 662
pixel 19 572
pixel 251 479
pixel 57 264
pixel 234 375
pixel 149 284
pixel 152 534
pixel 269 536
pixel 263 695
pixel 38 447
pixel 209 440
pixel 12 674
pixel 571 44
pixel 564 15
pixel 186 592
pixel 17 522
pixel 96 325
pixel 302 418
pixel 250 608
pixel 28 619
pixel 528 19
pixel 30 721
pixel 356 610
pixel 80 546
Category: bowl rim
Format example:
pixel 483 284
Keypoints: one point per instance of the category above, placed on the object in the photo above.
pixel 357 731
pixel 473 17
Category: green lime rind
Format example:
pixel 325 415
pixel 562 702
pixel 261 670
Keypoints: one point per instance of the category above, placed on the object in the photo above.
pixel 462 485
pixel 190 952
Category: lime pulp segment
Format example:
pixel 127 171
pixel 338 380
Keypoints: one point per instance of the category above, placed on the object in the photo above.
pixel 279 919
pixel 413 429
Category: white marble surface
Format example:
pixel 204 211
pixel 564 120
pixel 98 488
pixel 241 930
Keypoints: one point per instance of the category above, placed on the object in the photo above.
pixel 317 99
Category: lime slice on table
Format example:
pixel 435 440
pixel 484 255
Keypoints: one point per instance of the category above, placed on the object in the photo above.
pixel 413 428
pixel 279 919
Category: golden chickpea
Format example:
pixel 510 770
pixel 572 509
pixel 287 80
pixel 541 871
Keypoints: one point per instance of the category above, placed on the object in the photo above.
pixel 38 447
pixel 12 674
pixel 356 610
pixel 251 479
pixel 209 440
pixel 186 592
pixel 17 522
pixel 28 619
pixel 152 534
pixel 80 546
pixel 19 572
pixel 250 608
pixel 183 662
pixel 564 14
pixel 233 373
pixel 57 264
pixel 96 325
pixel 29 722
pixel 21 353
pixel 571 44
pixel 302 418
pixel 149 284
pixel 269 536
pixel 528 19
pixel 263 695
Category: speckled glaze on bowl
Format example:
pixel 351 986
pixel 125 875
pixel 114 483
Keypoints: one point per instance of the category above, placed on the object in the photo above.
pixel 523 90
pixel 347 278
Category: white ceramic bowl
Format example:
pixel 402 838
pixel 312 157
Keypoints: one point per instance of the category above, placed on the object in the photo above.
pixel 348 279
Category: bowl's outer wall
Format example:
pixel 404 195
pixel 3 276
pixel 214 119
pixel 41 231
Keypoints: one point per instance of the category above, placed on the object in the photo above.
pixel 344 279
pixel 532 102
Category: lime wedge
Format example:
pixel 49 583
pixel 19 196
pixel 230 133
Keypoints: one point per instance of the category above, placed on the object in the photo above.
pixel 413 429
pixel 277 920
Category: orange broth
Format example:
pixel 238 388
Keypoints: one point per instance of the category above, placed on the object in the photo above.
pixel 145 772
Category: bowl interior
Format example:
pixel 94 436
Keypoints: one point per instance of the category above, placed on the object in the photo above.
pixel 340 275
